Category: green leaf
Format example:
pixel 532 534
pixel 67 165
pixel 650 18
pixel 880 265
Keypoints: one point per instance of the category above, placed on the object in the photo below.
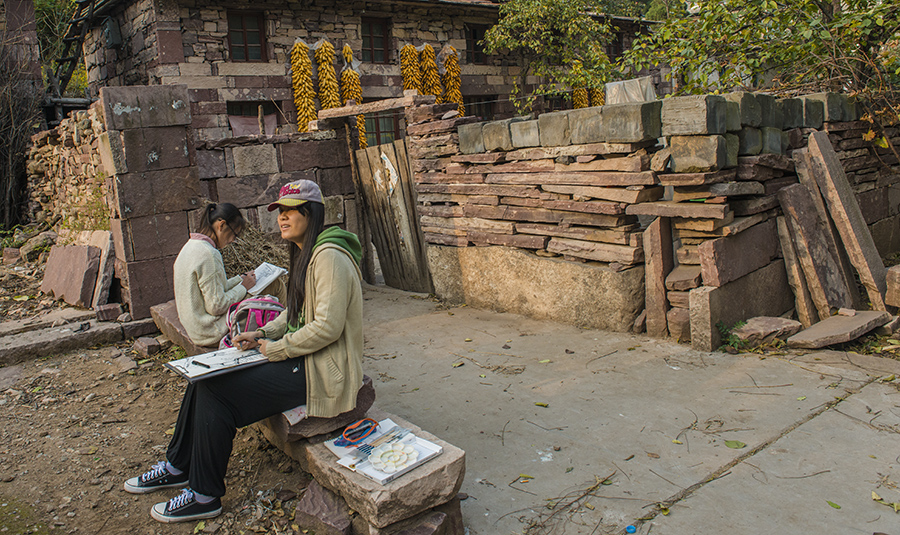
pixel 735 444
pixel 836 506
pixel 541 404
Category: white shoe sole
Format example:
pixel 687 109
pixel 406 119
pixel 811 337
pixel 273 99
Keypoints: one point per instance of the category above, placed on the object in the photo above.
pixel 133 486
pixel 158 513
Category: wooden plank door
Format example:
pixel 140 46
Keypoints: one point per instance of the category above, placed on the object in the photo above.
pixel 390 205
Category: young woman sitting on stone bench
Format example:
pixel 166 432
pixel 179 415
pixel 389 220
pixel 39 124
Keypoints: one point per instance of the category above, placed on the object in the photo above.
pixel 203 292
pixel 314 350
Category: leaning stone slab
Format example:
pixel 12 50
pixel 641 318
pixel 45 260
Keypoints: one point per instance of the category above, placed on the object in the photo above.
pixel 631 123
pixel 659 259
pixel 750 111
pixel 322 511
pixel 585 125
pixel 524 134
pixel 765 329
pixel 71 273
pixel 694 115
pixel 51 340
pixel 497 136
pixel 470 140
pixel 434 483
pixel 554 129
pixel 838 329
pixel 166 318
pixel 312 426
pixel 698 154
pixel 765 292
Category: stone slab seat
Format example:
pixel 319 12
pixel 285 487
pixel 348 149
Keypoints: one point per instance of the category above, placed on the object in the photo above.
pixel 434 483
pixel 166 318
pixel 311 426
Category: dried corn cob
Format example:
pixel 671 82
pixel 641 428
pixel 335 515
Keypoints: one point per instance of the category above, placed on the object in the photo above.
pixel 409 68
pixel 598 96
pixel 301 80
pixel 452 80
pixel 351 89
pixel 580 97
pixel 328 86
pixel 431 82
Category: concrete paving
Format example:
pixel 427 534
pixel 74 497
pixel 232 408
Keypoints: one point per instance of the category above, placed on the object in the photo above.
pixel 686 442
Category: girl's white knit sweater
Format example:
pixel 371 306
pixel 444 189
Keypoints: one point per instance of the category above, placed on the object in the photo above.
pixel 203 293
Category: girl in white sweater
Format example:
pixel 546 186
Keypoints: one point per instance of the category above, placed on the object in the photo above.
pixel 203 293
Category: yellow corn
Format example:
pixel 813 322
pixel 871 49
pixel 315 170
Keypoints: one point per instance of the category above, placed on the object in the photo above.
pixel 598 97
pixel 301 81
pixel 409 68
pixel 580 97
pixel 452 81
pixel 351 89
pixel 328 86
pixel 431 82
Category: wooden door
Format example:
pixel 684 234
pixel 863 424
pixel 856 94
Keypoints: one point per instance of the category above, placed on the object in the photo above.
pixel 389 200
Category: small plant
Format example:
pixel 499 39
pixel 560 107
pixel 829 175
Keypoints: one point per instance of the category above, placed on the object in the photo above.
pixel 729 340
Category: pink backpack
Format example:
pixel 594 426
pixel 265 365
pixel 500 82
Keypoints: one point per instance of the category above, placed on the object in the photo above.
pixel 249 315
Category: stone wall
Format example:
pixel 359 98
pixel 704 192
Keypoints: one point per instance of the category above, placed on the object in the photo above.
pixel 172 42
pixel 129 164
pixel 571 186
pixel 65 175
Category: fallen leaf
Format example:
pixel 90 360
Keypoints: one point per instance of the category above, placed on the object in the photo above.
pixel 569 351
pixel 482 375
pixel 468 340
pixel 545 361
pixel 569 469
pixel 505 346
pixel 801 398
pixel 735 444
pixel 836 506
pixel 199 527
pixel 892 341
pixel 653 455
pixel 664 510
pixel 888 378
pixel 21 298
pixel 676 441
pixel 875 496
pixel 143 361
pixel 171 430
pixel 458 364
pixel 541 404
pixel 589 506
pixel 525 477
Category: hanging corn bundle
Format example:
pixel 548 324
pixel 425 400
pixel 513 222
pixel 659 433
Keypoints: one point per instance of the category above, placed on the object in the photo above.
pixel 580 97
pixel 431 81
pixel 598 96
pixel 328 86
pixel 409 68
pixel 452 80
pixel 351 89
pixel 301 80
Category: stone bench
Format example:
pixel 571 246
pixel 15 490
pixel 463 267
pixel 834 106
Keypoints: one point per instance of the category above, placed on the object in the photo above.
pixel 166 318
pixel 422 502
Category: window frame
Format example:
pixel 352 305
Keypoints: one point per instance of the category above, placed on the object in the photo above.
pixel 370 23
pixel 260 17
pixel 473 103
pixel 374 135
pixel 475 54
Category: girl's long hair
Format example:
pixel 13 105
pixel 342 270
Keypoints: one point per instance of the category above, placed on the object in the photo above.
pixel 299 258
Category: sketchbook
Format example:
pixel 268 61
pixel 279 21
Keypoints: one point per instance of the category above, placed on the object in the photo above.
pixel 372 458
pixel 266 274
pixel 216 363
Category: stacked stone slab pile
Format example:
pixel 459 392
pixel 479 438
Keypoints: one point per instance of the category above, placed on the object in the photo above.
pixel 66 177
pixel 558 185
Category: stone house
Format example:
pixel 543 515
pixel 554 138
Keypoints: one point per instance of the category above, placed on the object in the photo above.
pixel 235 56
pixel 18 31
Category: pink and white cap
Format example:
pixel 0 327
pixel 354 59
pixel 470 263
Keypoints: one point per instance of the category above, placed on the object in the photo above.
pixel 297 193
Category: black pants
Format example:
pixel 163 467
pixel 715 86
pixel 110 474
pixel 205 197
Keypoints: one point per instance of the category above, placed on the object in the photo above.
pixel 212 410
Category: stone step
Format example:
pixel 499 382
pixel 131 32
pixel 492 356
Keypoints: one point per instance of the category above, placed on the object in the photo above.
pixel 430 485
pixel 57 317
pixel 46 341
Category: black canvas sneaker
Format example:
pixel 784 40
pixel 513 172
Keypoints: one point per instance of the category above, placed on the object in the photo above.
pixel 157 478
pixel 185 508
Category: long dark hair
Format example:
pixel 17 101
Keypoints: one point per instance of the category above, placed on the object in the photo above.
pixel 300 256
pixel 224 211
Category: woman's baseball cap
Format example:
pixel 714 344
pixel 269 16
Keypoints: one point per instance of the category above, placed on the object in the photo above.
pixel 296 193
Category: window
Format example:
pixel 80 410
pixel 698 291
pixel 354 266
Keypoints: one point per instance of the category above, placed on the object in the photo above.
pixel 246 37
pixel 383 127
pixel 474 50
pixel 376 40
pixel 616 46
pixel 243 117
pixel 481 106
pixel 557 102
